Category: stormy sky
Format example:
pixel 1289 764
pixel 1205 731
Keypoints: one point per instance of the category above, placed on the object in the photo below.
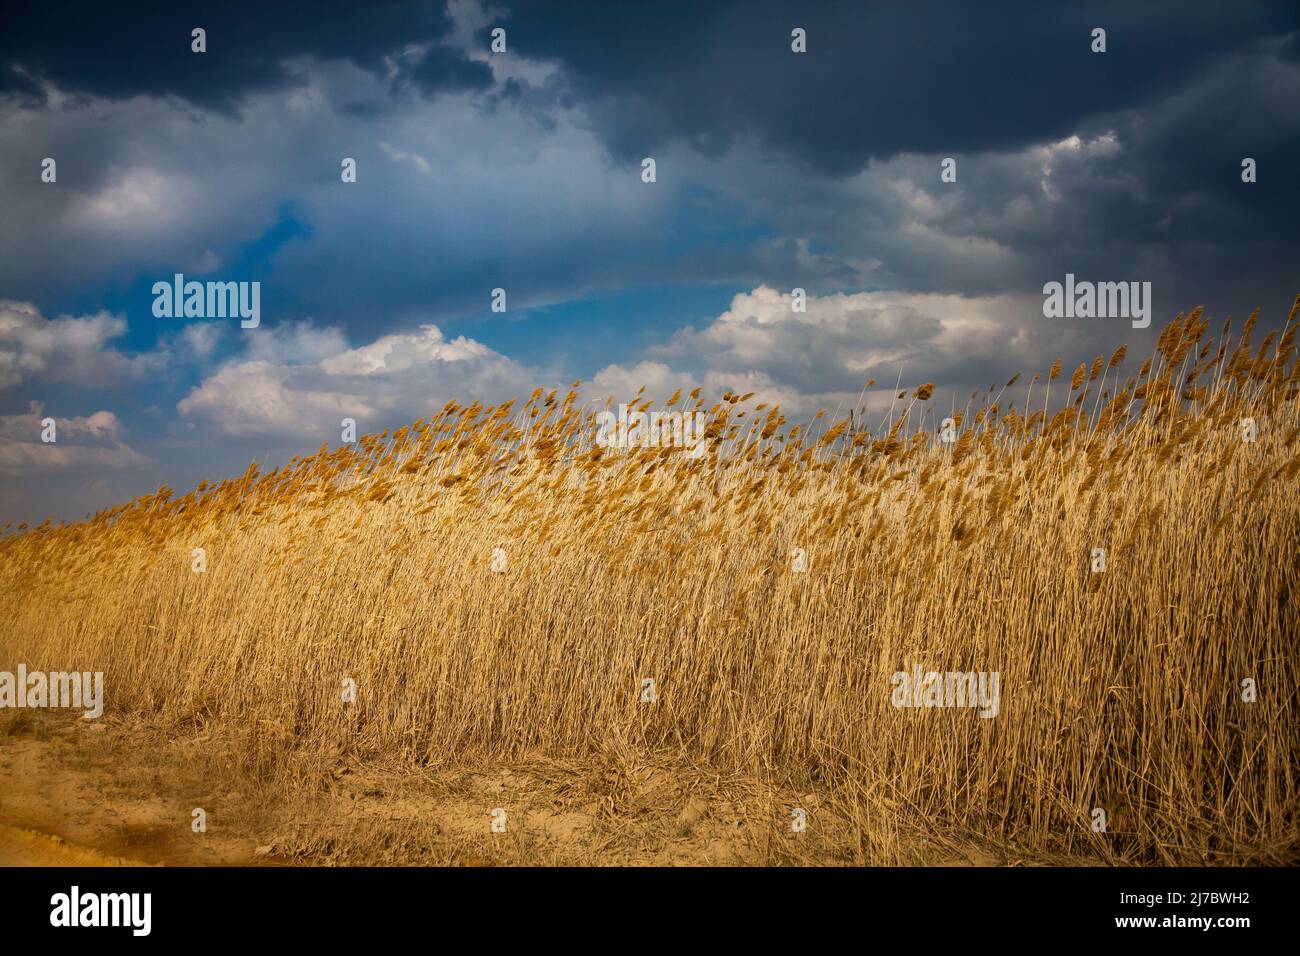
pixel 522 170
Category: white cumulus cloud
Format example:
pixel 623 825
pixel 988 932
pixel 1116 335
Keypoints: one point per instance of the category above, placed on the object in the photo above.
pixel 96 441
pixel 68 349
pixel 301 381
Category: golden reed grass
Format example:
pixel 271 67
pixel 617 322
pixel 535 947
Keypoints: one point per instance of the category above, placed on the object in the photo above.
pixel 1119 690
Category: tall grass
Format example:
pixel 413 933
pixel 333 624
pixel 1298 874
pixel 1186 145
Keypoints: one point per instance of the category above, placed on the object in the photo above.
pixel 1120 690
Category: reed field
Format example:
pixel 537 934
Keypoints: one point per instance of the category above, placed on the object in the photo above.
pixel 499 587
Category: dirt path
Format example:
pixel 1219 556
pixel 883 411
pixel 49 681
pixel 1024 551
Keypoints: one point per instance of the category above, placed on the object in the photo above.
pixel 80 794
pixel 56 810
pixel 74 793
pixel 29 848
pixel 97 794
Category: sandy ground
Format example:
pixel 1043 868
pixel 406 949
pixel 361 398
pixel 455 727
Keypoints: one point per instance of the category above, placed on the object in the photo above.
pixel 54 812
pixel 29 848
pixel 97 794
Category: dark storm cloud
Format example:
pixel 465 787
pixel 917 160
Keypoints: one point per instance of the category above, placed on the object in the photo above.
pixel 878 79
pixel 122 50
pixel 1187 90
